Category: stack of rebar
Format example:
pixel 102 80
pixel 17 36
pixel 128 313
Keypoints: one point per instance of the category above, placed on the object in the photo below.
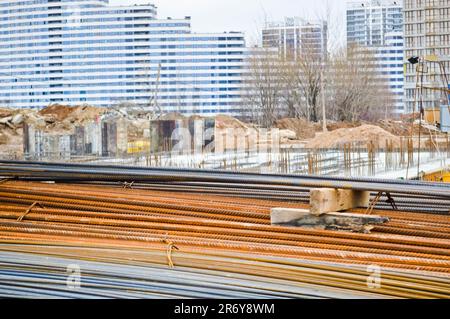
pixel 408 195
pixel 182 233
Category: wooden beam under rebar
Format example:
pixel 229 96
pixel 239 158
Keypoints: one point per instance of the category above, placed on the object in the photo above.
pixel 327 200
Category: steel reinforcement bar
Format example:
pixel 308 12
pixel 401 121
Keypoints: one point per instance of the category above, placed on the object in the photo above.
pixel 74 173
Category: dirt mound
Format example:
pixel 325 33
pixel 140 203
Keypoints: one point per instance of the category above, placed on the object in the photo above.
pixel 11 143
pixel 224 122
pixel 72 114
pixel 333 126
pixel 62 118
pixel 302 128
pixel 4 112
pixel 362 134
pixel 11 133
pixel 59 112
pixel 398 128
pixel 402 128
pixel 3 139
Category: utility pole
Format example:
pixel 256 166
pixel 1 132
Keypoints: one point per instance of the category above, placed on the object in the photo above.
pixel 324 114
pixel 153 102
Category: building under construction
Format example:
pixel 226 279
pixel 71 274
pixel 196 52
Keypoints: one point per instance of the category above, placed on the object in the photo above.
pixel 427 27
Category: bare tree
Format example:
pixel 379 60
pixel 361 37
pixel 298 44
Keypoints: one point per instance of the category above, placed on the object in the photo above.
pixel 291 97
pixel 312 83
pixel 287 84
pixel 302 76
pixel 305 72
pixel 357 89
pixel 263 86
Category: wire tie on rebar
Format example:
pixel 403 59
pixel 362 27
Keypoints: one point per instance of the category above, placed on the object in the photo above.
pixel 4 180
pixel 170 247
pixel 128 185
pixel 391 201
pixel 29 210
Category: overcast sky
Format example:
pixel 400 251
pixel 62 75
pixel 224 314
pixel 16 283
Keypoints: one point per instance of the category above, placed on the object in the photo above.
pixel 247 15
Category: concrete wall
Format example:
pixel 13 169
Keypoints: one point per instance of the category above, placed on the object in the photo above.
pixel 100 138
pixel 181 134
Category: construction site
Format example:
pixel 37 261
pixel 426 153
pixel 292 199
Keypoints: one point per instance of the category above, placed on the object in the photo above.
pixel 403 148
pixel 139 206
pixel 123 203
pixel 148 157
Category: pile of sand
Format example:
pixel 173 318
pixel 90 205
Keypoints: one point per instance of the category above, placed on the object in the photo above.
pixel 58 112
pixel 333 126
pixel 224 122
pixel 302 128
pixel 11 142
pixel 362 134
pixel 63 119
pixel 72 114
pixel 4 112
pixel 11 133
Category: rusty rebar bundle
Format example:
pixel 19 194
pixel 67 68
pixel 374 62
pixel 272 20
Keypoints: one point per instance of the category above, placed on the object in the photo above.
pixel 215 234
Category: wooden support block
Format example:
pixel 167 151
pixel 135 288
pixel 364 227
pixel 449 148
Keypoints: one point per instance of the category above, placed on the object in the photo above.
pixel 279 216
pixel 327 200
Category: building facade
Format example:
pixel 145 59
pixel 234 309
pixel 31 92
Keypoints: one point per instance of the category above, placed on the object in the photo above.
pixel 369 21
pixel 427 32
pixel 295 36
pixel 378 25
pixel 391 68
pixel 88 52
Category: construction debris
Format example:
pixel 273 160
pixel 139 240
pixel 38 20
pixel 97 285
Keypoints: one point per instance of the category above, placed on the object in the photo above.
pixel 61 118
pixel 303 218
pixel 11 138
pixel 325 203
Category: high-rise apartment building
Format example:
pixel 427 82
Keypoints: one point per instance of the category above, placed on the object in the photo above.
pixel 427 32
pixel 378 25
pixel 391 68
pixel 295 36
pixel 86 51
pixel 369 21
